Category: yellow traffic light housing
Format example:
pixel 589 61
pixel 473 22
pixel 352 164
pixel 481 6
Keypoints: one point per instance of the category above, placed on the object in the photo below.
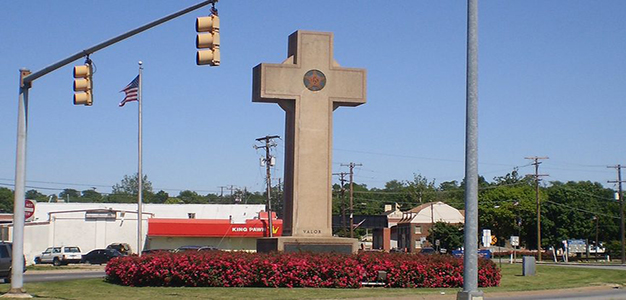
pixel 83 85
pixel 209 40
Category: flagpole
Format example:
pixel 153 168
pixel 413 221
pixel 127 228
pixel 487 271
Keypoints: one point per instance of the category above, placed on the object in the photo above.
pixel 139 172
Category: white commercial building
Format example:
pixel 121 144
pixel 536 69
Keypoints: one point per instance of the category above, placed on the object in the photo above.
pixel 96 225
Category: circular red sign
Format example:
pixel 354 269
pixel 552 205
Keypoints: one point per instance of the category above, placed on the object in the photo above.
pixel 29 210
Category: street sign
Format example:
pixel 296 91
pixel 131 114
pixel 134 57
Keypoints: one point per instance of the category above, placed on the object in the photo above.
pixel 514 240
pixel 494 239
pixel 29 210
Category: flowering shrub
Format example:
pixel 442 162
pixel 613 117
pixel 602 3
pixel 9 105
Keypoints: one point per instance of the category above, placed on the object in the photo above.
pixel 242 269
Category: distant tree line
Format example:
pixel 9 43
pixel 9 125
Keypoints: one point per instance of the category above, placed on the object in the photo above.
pixel 507 205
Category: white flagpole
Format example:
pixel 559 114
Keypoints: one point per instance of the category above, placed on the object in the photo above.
pixel 139 172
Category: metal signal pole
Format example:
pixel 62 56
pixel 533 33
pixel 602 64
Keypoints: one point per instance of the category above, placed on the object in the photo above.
pixel 26 80
pixel 470 259
pixel 268 165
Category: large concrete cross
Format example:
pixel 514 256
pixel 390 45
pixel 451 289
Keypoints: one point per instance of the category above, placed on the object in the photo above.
pixel 309 86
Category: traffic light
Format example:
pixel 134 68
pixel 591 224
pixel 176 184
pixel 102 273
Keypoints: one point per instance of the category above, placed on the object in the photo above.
pixel 208 38
pixel 83 85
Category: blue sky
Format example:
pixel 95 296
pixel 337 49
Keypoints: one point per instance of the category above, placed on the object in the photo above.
pixel 551 83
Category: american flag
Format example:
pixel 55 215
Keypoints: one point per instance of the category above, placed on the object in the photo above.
pixel 131 91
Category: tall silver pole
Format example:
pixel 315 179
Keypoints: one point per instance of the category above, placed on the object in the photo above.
pixel 470 258
pixel 139 171
pixel 17 279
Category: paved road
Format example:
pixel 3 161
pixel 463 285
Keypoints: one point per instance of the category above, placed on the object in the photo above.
pixel 587 293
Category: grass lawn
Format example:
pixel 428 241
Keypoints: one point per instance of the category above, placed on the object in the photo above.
pixel 548 277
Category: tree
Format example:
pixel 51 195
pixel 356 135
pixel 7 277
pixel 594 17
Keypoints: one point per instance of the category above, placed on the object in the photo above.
pixel 35 195
pixel 159 197
pixel 570 208
pixel 501 208
pixel 190 197
pixel 6 200
pixel 127 190
pixel 450 236
pixel 130 185
pixel 69 195
pixel 91 196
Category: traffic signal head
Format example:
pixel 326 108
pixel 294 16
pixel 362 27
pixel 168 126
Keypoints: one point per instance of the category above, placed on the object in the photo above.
pixel 208 38
pixel 83 85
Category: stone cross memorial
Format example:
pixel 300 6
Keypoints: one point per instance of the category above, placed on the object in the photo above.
pixel 309 85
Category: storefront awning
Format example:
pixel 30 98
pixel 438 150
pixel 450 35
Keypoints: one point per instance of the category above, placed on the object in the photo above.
pixel 211 228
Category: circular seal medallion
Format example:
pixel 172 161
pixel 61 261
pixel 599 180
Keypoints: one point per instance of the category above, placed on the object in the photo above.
pixel 314 80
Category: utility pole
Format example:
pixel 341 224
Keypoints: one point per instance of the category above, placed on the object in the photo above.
pixel 536 163
pixel 268 164
pixel 352 165
pixel 342 178
pixel 621 207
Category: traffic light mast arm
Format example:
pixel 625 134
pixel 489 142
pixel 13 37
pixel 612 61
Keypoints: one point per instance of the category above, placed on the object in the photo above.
pixel 26 81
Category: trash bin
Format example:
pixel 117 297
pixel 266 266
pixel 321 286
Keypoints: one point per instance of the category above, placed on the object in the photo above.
pixel 528 266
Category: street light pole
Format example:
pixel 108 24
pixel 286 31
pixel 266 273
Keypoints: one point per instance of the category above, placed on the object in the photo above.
pixel 17 278
pixel 470 259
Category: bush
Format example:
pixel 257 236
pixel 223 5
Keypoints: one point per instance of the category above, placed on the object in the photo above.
pixel 241 269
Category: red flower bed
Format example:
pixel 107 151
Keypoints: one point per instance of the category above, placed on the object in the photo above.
pixel 241 269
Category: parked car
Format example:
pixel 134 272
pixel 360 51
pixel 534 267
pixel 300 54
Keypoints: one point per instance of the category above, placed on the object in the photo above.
pixel 6 261
pixel 153 251
pixel 59 255
pixel 100 256
pixel 121 248
pixel 428 251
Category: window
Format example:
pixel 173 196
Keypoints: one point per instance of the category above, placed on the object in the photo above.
pixel 418 229
pixel 56 250
pixel 191 215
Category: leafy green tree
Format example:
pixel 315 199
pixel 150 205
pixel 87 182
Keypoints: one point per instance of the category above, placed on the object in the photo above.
pixel 70 195
pixel 450 236
pixel 127 190
pixel 6 200
pixel 570 211
pixel 502 209
pixel 91 196
pixel 159 197
pixel 35 195
pixel 190 197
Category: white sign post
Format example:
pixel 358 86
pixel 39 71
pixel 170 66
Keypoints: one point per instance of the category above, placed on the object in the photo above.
pixel 515 244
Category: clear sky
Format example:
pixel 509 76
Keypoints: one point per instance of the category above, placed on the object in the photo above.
pixel 551 83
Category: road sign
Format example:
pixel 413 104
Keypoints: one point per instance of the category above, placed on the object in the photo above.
pixel 514 240
pixel 494 239
pixel 29 211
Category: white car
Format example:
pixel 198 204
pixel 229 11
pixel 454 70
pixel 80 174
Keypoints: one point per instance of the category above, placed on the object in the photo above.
pixel 59 255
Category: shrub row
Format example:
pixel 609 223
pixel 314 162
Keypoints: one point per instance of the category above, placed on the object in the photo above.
pixel 241 269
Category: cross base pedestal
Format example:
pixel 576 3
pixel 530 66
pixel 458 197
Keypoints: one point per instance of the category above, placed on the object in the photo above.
pixel 292 244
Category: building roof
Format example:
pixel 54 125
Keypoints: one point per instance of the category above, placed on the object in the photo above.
pixel 433 212
pixel 238 213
